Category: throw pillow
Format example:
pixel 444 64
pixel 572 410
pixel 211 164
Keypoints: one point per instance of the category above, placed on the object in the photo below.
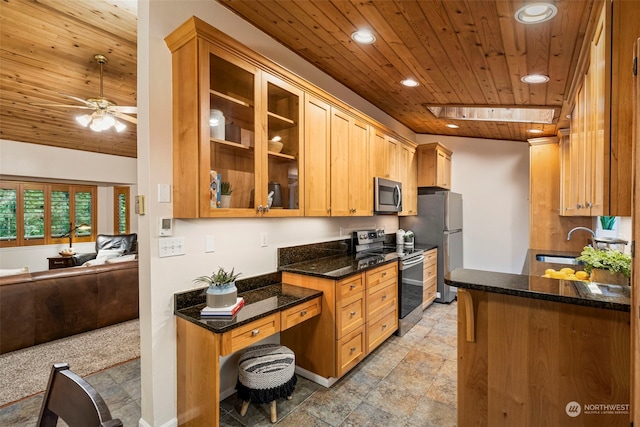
pixel 123 258
pixel 93 262
pixel 105 254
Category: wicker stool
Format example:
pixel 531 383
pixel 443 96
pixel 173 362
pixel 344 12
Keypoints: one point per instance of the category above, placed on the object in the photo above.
pixel 266 373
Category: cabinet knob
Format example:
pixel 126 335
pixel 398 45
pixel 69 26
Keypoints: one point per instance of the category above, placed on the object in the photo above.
pixel 384 297
pixel 384 326
pixel 353 349
pixel 353 286
pixel 353 313
pixel 266 208
pixel 328 210
pixel 303 313
pixel 579 206
pixel 255 332
pixel 384 274
pixel 260 208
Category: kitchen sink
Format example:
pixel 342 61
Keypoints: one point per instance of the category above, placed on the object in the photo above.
pixel 558 259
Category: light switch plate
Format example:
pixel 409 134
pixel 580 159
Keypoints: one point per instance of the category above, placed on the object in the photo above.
pixel 171 246
pixel 164 193
pixel 209 244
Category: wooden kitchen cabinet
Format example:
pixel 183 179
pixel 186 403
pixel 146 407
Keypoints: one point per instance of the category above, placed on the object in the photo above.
pixel 434 166
pixel 351 183
pixel 430 278
pixel 358 314
pixel 337 172
pixel 408 166
pixel 384 155
pixel 596 155
pixel 225 112
pixel 317 146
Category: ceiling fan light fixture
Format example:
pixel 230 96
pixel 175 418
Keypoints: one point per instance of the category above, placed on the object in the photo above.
pixel 535 13
pixel 119 126
pixel 84 120
pixel 363 36
pixel 410 83
pixel 534 78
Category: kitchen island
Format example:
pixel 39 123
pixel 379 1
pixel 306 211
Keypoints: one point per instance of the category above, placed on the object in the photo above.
pixel 534 351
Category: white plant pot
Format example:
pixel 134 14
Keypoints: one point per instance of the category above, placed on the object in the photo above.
pixel 225 201
pixel 222 296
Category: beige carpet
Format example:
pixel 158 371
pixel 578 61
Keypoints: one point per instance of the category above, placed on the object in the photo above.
pixel 26 372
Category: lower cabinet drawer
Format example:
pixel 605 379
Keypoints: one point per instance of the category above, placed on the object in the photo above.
pixel 300 313
pixel 247 335
pixel 350 316
pixel 381 328
pixel 430 271
pixel 351 349
pixel 380 300
pixel 429 292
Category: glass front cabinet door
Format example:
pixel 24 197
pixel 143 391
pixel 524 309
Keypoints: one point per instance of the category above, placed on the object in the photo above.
pixel 229 163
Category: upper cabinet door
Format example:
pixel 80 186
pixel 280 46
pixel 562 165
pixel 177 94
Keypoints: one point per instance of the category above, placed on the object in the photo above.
pixel 230 138
pixel 317 166
pixel 283 179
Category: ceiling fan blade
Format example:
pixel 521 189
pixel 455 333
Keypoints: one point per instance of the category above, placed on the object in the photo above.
pixel 126 117
pixel 83 107
pixel 125 109
pixel 83 101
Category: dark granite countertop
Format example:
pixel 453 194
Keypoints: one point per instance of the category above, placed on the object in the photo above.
pixel 259 303
pixel 343 265
pixel 590 294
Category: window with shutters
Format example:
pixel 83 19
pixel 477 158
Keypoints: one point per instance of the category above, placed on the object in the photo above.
pixel 39 214
pixel 121 210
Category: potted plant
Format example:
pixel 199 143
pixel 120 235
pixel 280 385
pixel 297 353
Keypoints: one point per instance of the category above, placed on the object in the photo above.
pixel 606 266
pixel 409 239
pixel 225 194
pixel 222 291
pixel 607 225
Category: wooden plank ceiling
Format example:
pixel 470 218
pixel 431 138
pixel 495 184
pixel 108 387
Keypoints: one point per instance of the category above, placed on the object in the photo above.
pixel 469 52
pixel 462 52
pixel 47 50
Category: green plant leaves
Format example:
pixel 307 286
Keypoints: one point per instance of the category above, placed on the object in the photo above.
pixel 610 259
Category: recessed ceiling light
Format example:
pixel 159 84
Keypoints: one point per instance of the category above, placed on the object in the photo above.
pixel 452 126
pixel 410 83
pixel 534 13
pixel 535 130
pixel 363 36
pixel 535 78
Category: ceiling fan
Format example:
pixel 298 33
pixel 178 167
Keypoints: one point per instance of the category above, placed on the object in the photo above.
pixel 105 112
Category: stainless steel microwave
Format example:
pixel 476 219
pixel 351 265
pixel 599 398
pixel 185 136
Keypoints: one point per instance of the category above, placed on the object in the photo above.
pixel 387 196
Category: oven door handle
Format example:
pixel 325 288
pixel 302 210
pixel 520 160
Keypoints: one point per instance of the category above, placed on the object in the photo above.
pixel 413 261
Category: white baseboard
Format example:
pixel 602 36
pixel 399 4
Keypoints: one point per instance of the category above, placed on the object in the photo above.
pixel 326 382
pixel 226 393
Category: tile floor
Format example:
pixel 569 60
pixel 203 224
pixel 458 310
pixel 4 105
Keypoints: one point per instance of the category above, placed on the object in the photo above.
pixel 408 381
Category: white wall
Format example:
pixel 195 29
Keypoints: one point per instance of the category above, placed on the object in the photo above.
pixel 236 240
pixel 34 162
pixel 493 178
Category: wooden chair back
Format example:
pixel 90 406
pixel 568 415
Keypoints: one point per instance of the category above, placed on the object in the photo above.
pixel 74 400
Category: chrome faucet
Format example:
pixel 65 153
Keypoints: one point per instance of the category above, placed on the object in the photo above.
pixel 580 228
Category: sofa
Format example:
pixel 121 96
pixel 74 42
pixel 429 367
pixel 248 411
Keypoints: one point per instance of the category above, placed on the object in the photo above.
pixel 47 305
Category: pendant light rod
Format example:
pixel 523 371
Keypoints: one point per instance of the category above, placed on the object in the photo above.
pixel 101 60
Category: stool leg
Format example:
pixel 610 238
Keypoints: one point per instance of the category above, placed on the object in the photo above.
pixel 274 414
pixel 245 406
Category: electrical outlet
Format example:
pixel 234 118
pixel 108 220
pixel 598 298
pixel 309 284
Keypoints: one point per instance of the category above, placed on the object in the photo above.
pixel 209 244
pixel 264 242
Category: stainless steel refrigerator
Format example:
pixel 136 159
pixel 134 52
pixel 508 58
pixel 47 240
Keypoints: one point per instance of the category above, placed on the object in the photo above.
pixel 439 222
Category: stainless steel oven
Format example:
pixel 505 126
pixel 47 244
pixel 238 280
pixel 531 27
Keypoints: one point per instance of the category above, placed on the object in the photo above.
pixel 410 287
pixel 369 247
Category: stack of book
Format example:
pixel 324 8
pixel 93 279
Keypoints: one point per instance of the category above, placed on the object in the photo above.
pixel 222 312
